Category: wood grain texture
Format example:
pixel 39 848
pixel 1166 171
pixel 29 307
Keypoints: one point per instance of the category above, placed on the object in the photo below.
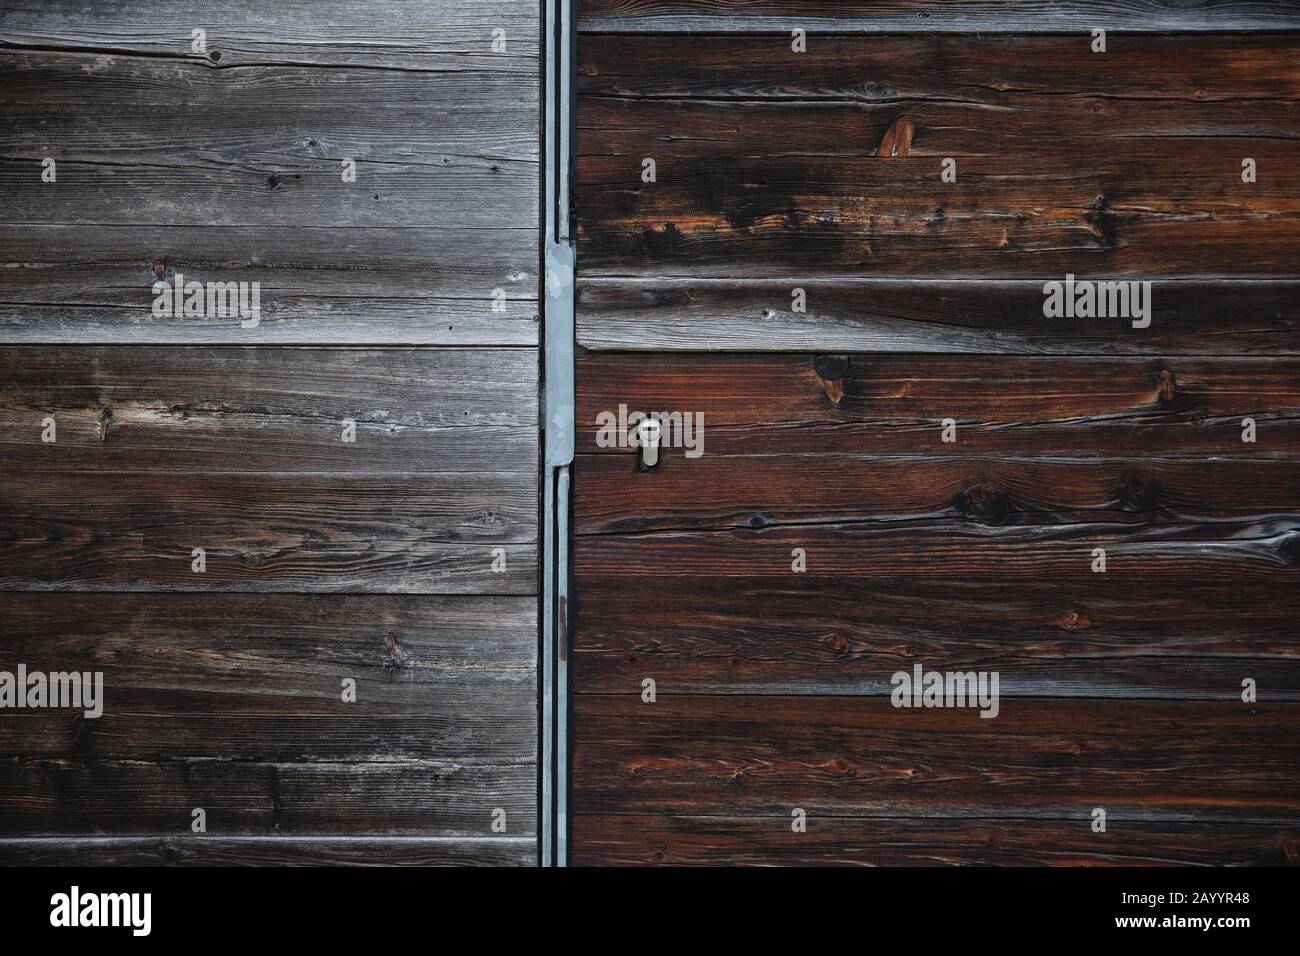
pixel 645 839
pixel 826 634
pixel 722 491
pixel 861 757
pixel 245 184
pixel 820 171
pixel 1067 407
pixel 76 797
pixel 136 531
pixel 1249 551
pixel 241 452
pixel 406 35
pixel 259 677
pixel 897 315
pixel 326 560
pixel 271 411
pixel 189 850
pixel 776 201
pixel 368 285
pixel 930 16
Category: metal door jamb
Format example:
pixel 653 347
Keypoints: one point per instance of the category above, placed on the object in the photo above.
pixel 557 429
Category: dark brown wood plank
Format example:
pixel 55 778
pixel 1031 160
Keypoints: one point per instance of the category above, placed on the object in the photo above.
pixel 896 315
pixel 1171 203
pixel 647 840
pixel 45 797
pixel 232 410
pixel 861 757
pixel 406 35
pixel 1103 636
pixel 136 531
pixel 1254 551
pixel 268 851
pixel 931 108
pixel 930 16
pixel 981 67
pixel 1006 405
pixel 259 677
pixel 726 491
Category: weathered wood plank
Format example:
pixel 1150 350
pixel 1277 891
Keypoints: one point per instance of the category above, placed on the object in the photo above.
pixel 386 286
pixel 1254 551
pixel 861 757
pixel 344 532
pixel 233 410
pixel 978 67
pixel 268 851
pixel 427 153
pixel 1102 636
pixel 105 109
pixel 898 315
pixel 45 797
pixel 641 840
pixel 463 723
pixel 475 197
pixel 880 217
pixel 258 677
pixel 407 35
pixel 1072 407
pixel 723 491
pixel 935 111
pixel 1170 203
pixel 931 16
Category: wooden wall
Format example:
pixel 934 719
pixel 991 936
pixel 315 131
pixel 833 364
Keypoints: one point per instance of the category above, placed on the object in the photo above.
pixel 326 560
pixel 821 171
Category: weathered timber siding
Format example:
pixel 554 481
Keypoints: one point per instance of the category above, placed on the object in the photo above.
pixel 821 171
pixel 325 560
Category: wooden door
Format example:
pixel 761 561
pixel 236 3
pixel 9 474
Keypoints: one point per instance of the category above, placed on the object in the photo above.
pixel 831 230
pixel 300 551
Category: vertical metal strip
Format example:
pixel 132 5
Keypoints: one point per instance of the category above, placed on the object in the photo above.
pixel 557 429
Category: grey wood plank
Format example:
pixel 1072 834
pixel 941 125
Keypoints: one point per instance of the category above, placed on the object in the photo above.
pixel 407 35
pixel 259 677
pixel 47 797
pixel 898 315
pixel 248 410
pixel 194 850
pixel 385 286
pixel 932 16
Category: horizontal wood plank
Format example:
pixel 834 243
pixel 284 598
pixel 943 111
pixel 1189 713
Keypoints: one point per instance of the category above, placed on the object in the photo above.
pixel 406 35
pixel 862 757
pixel 267 411
pixel 895 315
pixel 1170 202
pixel 259 677
pixel 249 189
pixel 46 797
pixel 769 488
pixel 929 16
pixel 1072 407
pixel 356 286
pixel 1157 557
pixel 189 850
pixel 1099 636
pixel 342 534
pixel 648 840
